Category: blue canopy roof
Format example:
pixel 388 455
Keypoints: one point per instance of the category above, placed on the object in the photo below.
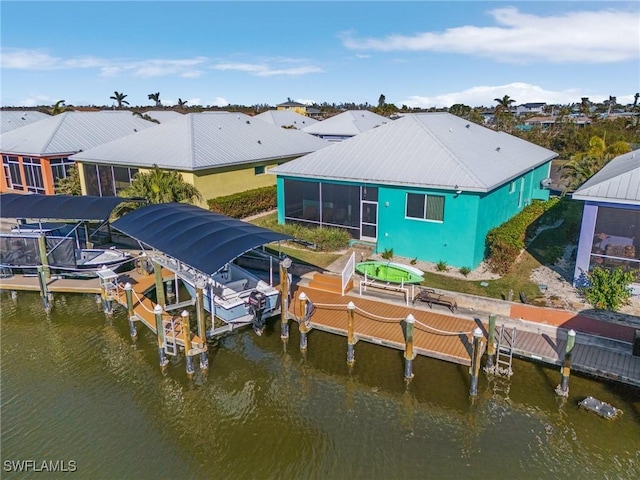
pixel 202 239
pixel 62 207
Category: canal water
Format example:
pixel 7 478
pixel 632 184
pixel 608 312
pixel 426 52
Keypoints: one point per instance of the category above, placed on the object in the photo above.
pixel 76 389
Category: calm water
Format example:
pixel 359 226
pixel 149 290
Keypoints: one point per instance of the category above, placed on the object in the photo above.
pixel 75 388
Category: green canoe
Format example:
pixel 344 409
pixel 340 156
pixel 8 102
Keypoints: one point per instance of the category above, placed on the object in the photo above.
pixel 390 272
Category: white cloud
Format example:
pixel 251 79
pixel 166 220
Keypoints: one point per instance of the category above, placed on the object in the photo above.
pixel 520 92
pixel 582 37
pixel 219 102
pixel 263 70
pixel 23 59
pixel 35 100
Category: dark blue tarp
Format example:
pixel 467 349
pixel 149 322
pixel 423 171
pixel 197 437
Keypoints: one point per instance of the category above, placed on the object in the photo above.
pixel 202 239
pixel 66 207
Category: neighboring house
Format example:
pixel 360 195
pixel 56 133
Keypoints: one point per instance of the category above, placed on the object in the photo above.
pixel 346 125
pixel 527 108
pixel 285 119
pixel 610 232
pixel 12 119
pixel 35 156
pixel 296 107
pixel 546 122
pixel 220 153
pixel 427 186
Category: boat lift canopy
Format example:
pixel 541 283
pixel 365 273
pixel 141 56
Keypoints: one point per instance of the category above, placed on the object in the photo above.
pixel 80 208
pixel 197 237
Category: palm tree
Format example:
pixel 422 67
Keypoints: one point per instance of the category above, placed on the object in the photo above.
pixel 161 186
pixel 635 100
pixel 156 98
pixel 182 104
pixel 59 107
pixel 502 112
pixel 120 98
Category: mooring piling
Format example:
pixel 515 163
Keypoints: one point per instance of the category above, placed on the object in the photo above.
pixel 132 319
pixel 476 355
pixel 202 329
pixel 44 291
pixel 304 327
pixel 157 271
pixel 563 389
pixel 491 345
pixel 409 354
pixel 157 310
pixel 284 302
pixel 351 337
pixel 186 337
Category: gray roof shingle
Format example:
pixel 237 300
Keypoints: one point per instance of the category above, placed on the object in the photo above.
pixel 347 124
pixel 12 119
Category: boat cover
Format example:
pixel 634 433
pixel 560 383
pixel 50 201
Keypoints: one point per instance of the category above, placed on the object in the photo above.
pixel 202 239
pixel 67 207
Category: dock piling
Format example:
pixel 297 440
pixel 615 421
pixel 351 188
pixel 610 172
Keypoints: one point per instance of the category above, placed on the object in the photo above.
pixel 157 310
pixel 157 270
pixel 284 301
pixel 44 292
pixel 563 389
pixel 351 338
pixel 132 319
pixel 409 355
pixel 202 329
pixel 304 328
pixel 476 354
pixel 186 336
pixel 491 345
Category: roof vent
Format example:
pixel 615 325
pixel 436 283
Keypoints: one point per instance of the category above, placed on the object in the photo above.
pixel 248 122
pixel 468 126
pixel 260 142
pixel 497 149
pixel 135 129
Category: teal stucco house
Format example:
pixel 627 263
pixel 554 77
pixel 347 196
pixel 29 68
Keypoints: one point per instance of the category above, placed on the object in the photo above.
pixel 429 186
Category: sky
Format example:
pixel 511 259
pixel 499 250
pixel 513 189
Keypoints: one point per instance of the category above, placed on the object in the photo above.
pixel 419 54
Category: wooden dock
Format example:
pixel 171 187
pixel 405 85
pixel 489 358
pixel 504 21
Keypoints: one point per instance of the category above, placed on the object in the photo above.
pixel 31 283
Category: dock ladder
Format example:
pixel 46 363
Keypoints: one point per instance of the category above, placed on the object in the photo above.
pixel 172 329
pixel 504 351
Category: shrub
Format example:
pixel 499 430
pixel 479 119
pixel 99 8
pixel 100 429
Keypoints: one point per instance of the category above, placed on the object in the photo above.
pixel 442 266
pixel 245 204
pixel 507 240
pixel 608 289
pixel 322 239
pixel 387 254
pixel 414 261
pixel 465 271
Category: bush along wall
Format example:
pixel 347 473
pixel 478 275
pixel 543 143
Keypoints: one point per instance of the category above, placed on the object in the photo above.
pixel 245 204
pixel 505 242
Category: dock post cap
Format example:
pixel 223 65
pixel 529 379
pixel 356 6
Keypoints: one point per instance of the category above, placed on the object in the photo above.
pixel 127 286
pixel 184 313
pixel 571 333
pixel 351 306
pixel 477 333
pixel 157 309
pixel 303 296
pixel 410 319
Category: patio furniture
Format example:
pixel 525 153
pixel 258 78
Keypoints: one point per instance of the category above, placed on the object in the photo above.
pixel 430 296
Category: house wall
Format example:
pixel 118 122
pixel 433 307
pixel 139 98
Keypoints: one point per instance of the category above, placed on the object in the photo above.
pixel 47 176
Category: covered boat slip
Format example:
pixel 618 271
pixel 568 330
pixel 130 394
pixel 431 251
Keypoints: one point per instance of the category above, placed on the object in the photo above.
pixel 198 246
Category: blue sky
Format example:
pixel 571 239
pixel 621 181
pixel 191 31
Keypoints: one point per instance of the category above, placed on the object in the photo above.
pixel 419 54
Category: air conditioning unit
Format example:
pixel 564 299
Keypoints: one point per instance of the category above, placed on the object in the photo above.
pixel 545 183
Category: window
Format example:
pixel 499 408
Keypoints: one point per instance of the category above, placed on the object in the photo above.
pixel 33 174
pixel 60 168
pixel 259 170
pixel 425 207
pixel 11 167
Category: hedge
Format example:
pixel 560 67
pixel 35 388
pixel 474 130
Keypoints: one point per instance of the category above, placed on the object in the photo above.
pixel 505 242
pixel 245 204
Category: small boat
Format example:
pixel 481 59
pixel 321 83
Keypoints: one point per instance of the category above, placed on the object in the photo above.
pixel 390 272
pixel 235 295
pixel 599 407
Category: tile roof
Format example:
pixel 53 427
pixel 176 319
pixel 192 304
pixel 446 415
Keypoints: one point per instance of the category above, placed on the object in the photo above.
pixel 12 119
pixel 71 132
pixel 285 118
pixel 347 124
pixel 429 150
pixel 198 141
pixel 618 181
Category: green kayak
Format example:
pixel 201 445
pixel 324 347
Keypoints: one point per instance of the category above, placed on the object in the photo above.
pixel 390 272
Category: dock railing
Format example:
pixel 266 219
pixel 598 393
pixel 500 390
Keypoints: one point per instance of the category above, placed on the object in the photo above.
pixel 348 271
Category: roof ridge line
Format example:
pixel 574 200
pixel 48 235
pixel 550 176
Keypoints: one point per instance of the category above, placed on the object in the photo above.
pixel 454 157
pixel 55 131
pixel 192 140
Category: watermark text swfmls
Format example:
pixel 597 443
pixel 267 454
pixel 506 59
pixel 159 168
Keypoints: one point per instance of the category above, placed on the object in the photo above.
pixel 39 466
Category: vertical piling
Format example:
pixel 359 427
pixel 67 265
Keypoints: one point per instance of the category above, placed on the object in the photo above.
pixel 171 296
pixel 157 310
pixel 44 291
pixel 186 337
pixel 408 349
pixel 284 302
pixel 157 270
pixel 44 260
pixel 491 345
pixel 476 355
pixel 304 328
pixel 563 389
pixel 132 319
pixel 202 329
pixel 351 337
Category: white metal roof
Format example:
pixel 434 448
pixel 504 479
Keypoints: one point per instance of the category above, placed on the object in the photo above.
pixel 436 150
pixel 286 118
pixel 347 124
pixel 12 119
pixel 163 116
pixel 618 181
pixel 71 132
pixel 205 140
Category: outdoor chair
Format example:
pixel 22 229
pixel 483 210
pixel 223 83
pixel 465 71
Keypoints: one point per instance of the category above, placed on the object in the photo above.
pixel 430 296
